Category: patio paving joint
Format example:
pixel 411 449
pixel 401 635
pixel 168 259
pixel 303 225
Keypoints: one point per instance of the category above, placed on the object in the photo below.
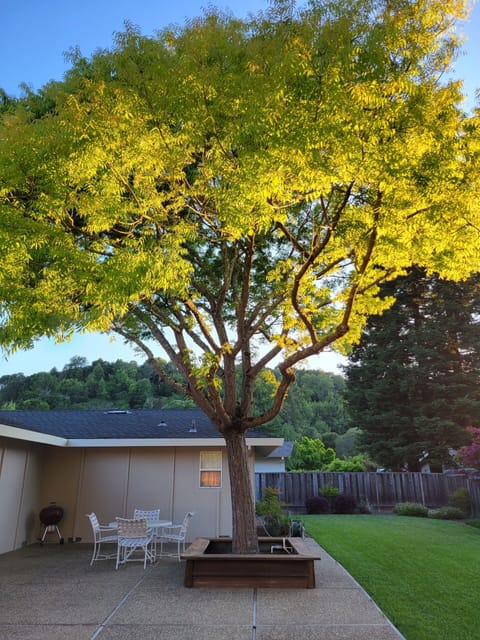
pixel 117 608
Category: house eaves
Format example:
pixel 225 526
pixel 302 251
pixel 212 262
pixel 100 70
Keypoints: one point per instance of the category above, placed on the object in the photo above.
pixel 168 442
pixel 17 433
pixel 147 442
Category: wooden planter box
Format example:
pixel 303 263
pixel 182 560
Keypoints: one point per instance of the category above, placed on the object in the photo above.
pixel 210 563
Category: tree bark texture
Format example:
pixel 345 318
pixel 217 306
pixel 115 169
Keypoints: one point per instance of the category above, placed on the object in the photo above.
pixel 244 531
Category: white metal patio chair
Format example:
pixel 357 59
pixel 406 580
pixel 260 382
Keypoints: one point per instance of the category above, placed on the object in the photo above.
pixel 134 536
pixel 102 534
pixel 150 515
pixel 176 533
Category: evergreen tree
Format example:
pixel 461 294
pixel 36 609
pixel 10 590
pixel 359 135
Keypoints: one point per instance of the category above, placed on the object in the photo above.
pixel 413 379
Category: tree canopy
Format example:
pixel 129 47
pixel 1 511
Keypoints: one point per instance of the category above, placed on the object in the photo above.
pixel 233 192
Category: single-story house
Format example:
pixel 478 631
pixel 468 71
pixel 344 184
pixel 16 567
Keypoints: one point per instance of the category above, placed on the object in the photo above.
pixel 111 462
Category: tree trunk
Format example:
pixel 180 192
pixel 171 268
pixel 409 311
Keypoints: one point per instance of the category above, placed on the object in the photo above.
pixel 244 530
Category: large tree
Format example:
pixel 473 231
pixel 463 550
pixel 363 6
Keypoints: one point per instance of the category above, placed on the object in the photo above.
pixel 413 381
pixel 233 193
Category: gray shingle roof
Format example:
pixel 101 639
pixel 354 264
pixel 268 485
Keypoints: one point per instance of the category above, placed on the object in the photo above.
pixel 116 424
pixel 282 452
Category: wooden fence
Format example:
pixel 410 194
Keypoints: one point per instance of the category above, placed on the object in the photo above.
pixel 380 490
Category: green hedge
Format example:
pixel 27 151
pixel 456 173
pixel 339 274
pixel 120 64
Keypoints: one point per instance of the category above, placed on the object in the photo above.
pixel 410 509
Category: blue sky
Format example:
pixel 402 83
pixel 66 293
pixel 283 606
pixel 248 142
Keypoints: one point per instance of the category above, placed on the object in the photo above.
pixel 35 36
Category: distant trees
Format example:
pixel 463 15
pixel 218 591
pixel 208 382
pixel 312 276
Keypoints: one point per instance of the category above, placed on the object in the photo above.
pixel 314 407
pixel 100 385
pixel 413 381
pixel 315 401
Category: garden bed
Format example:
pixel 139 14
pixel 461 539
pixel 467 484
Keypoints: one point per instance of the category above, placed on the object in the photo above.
pixel 280 562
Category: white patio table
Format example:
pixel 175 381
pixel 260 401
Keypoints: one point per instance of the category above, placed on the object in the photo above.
pixel 158 524
pixel 152 524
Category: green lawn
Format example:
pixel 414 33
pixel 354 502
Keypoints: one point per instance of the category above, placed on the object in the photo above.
pixel 424 574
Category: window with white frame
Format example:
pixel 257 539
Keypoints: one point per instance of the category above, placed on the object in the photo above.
pixel 210 468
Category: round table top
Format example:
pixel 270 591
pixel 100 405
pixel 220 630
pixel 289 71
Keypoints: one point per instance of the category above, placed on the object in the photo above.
pixel 159 523
pixel 151 523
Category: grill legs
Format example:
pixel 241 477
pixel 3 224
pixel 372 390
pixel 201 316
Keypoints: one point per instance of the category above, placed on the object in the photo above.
pixel 51 528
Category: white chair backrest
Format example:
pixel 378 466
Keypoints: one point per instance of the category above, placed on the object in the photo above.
pixel 93 521
pixel 148 514
pixel 186 521
pixel 132 528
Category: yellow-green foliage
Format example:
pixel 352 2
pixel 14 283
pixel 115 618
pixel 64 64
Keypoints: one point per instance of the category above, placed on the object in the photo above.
pixel 233 182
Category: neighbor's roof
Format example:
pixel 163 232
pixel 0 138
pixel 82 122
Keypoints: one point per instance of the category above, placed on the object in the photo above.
pixel 116 427
pixel 284 451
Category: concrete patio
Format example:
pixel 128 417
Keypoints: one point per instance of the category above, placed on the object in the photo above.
pixel 52 592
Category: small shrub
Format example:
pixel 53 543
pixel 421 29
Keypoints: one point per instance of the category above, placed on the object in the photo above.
pixel 410 509
pixel 270 504
pixel 277 525
pixel 344 503
pixel 460 499
pixel 317 504
pixel 473 523
pixel 329 491
pixel 276 522
pixel 446 513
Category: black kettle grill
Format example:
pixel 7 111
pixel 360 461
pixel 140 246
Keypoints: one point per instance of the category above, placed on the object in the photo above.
pixel 50 517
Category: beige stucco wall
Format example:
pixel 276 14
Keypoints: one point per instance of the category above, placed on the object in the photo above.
pixel 20 473
pixel 111 481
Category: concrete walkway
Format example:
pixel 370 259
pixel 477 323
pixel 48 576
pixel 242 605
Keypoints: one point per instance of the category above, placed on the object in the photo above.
pixel 52 592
